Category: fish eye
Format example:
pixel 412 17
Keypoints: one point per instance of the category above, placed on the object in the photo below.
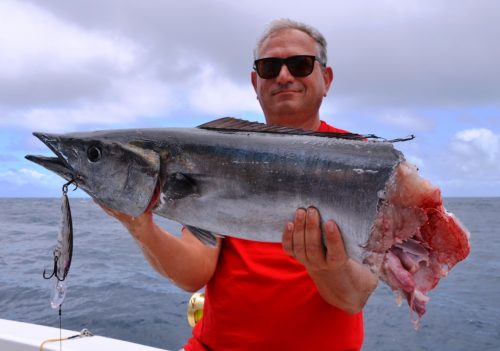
pixel 94 154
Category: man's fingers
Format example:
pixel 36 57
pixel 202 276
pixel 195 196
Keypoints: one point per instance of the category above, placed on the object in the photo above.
pixel 315 251
pixel 298 238
pixel 334 243
pixel 122 217
pixel 302 238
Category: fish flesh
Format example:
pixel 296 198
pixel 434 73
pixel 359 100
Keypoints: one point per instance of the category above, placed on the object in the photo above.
pixel 414 241
pixel 243 179
pixel 63 253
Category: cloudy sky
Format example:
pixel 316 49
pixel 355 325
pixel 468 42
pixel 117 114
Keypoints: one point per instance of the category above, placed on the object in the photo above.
pixel 423 67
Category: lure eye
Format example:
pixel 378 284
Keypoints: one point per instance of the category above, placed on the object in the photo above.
pixel 94 154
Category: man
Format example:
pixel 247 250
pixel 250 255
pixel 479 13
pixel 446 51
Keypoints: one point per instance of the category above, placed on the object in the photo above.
pixel 294 295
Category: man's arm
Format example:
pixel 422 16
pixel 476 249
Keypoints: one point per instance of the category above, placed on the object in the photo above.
pixel 341 281
pixel 185 260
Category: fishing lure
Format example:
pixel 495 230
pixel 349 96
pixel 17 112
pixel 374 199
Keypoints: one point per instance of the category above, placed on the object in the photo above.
pixel 62 252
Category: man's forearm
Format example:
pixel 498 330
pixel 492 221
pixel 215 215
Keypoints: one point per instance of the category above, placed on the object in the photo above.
pixel 184 260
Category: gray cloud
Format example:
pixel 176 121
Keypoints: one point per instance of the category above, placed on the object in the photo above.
pixel 434 56
pixel 52 89
pixel 385 54
pixel 196 31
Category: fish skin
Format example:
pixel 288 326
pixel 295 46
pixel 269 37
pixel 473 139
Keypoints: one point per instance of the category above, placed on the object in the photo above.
pixel 239 183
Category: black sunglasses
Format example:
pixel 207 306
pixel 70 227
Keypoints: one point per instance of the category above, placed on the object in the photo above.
pixel 298 66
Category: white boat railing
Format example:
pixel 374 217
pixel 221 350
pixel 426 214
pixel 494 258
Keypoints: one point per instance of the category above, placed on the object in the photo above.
pixel 20 336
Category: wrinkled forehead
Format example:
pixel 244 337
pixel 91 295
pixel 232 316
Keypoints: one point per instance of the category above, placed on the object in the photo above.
pixel 288 42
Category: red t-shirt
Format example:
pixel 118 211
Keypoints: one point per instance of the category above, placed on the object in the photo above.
pixel 259 298
pixel 324 127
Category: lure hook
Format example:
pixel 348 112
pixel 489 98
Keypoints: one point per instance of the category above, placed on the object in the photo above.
pixel 54 271
pixel 65 186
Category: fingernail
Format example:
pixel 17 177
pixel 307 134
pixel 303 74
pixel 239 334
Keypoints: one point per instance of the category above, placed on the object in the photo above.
pixel 330 226
pixel 299 214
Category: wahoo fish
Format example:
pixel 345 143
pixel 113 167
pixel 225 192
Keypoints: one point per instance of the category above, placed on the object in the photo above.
pixel 231 177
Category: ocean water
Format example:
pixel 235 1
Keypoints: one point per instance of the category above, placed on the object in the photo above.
pixel 113 292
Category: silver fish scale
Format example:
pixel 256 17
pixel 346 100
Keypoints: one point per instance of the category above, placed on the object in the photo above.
pixel 250 184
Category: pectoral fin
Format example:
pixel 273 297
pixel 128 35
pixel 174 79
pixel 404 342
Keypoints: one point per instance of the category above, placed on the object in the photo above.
pixel 179 186
pixel 205 236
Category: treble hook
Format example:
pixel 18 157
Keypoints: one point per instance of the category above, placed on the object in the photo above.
pixel 54 271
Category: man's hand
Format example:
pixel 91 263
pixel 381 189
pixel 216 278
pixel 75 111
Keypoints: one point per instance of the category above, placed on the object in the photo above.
pixel 303 240
pixel 135 225
pixel 341 281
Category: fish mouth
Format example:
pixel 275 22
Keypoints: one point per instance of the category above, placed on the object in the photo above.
pixel 58 164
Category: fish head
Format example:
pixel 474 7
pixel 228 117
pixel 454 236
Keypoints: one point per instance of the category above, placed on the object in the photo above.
pixel 117 174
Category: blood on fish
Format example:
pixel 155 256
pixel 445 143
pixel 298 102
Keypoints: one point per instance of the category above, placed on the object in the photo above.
pixel 415 238
pixel 154 199
pixel 451 245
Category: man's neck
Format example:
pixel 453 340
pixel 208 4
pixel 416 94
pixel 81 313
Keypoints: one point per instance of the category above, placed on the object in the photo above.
pixel 305 124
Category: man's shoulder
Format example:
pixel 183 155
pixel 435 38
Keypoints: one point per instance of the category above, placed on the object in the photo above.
pixel 325 127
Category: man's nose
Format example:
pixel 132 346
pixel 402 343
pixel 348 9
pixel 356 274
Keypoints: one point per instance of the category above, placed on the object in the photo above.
pixel 284 76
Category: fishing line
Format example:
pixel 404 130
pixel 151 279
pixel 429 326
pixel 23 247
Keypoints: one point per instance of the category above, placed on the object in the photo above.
pixel 60 327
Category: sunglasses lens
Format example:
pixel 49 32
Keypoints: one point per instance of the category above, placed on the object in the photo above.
pixel 300 66
pixel 268 68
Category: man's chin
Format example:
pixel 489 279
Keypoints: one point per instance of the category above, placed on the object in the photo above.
pixel 287 101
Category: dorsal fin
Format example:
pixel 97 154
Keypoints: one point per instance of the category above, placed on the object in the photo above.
pixel 231 124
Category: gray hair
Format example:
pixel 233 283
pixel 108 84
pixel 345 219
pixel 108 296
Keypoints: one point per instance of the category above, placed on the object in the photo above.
pixel 284 24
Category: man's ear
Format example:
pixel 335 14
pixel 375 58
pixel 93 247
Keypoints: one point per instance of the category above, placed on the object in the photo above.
pixel 253 77
pixel 327 78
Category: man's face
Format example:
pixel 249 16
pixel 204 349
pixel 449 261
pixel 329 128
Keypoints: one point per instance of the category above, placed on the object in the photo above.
pixel 289 100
